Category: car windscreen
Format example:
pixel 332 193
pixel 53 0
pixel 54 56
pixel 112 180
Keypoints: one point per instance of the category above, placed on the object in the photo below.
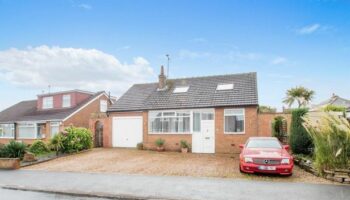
pixel 264 144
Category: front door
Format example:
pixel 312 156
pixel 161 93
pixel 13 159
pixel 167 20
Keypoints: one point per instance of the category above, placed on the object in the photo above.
pixel 203 141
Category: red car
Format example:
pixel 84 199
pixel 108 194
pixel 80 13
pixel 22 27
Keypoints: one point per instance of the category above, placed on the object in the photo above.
pixel 265 155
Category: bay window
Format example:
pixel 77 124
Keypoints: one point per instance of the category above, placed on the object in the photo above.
pixel 27 131
pixel 234 121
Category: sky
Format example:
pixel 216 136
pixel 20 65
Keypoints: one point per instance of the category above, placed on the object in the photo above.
pixel 112 44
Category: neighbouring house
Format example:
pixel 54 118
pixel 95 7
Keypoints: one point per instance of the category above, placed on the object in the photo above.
pixel 335 100
pixel 213 113
pixel 50 113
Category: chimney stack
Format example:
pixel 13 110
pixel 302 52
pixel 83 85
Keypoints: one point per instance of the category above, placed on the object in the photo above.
pixel 162 79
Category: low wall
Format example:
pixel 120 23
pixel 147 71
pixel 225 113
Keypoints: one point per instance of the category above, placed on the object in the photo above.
pixel 9 163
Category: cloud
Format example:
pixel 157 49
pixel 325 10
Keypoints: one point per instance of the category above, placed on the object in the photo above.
pixel 278 61
pixel 69 68
pixel 313 28
pixel 85 6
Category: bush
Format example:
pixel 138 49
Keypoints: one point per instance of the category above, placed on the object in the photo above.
pixel 184 144
pixel 13 150
pixel 39 147
pixel 278 130
pixel 333 108
pixel 331 137
pixel 300 141
pixel 160 142
pixel 139 146
pixel 72 140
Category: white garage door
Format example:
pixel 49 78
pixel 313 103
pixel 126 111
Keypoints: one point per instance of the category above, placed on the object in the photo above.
pixel 127 131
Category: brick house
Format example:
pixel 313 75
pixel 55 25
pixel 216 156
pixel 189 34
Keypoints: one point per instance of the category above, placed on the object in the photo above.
pixel 50 113
pixel 214 113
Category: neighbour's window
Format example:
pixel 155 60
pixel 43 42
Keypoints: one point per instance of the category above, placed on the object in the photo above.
pixel 181 89
pixel 66 101
pixel 7 130
pixel 103 105
pixel 27 131
pixel 224 86
pixel 47 102
pixel 54 128
pixel 234 120
pixel 169 122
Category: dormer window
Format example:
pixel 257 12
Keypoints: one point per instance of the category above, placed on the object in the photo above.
pixel 225 86
pixel 47 102
pixel 66 101
pixel 182 89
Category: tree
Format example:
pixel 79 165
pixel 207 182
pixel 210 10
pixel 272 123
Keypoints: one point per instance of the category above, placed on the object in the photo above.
pixel 299 140
pixel 300 94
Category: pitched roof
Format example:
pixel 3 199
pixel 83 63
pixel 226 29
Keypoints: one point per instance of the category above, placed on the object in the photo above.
pixel 27 111
pixel 334 100
pixel 202 93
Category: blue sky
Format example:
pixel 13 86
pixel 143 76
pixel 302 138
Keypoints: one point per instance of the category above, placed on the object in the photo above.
pixel 110 45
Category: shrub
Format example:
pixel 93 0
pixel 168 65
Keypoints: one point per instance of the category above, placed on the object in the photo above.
pixel 333 108
pixel 331 137
pixel 72 140
pixel 139 146
pixel 39 147
pixel 278 130
pixel 160 142
pixel 13 150
pixel 184 144
pixel 300 141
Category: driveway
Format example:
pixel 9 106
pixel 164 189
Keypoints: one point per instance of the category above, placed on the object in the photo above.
pixel 130 161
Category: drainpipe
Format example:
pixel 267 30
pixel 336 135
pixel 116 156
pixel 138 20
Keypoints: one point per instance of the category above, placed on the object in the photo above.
pixel 15 130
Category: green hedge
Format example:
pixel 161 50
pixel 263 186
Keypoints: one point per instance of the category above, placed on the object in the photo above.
pixel 300 141
pixel 13 150
pixel 72 140
pixel 39 147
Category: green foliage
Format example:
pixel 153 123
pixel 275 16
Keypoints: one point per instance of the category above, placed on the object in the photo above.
pixel 160 142
pixel 333 108
pixel 266 109
pixel 184 144
pixel 13 150
pixel 331 137
pixel 139 146
pixel 39 147
pixel 72 140
pixel 299 140
pixel 277 127
pixel 300 94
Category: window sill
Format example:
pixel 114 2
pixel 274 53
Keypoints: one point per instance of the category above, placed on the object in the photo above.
pixel 234 133
pixel 7 137
pixel 169 133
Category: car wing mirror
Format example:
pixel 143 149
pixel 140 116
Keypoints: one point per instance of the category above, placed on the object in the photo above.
pixel 286 147
pixel 241 146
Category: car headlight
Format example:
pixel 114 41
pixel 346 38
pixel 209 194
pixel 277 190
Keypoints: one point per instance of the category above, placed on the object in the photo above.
pixel 248 160
pixel 285 161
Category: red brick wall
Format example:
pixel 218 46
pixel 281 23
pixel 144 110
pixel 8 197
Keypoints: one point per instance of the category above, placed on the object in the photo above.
pixel 265 122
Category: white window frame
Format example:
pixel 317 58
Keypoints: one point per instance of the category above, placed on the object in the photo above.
pixel 54 124
pixel 46 102
pixel 66 101
pixel 225 86
pixel 28 124
pixel 244 119
pixel 168 133
pixel 103 105
pixel 181 89
pixel 12 129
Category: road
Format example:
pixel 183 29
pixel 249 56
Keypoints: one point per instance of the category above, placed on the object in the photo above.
pixel 168 187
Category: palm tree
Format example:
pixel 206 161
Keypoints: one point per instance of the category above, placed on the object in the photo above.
pixel 300 94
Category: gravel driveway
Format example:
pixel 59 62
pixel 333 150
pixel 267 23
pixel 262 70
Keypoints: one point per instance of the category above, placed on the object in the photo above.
pixel 130 161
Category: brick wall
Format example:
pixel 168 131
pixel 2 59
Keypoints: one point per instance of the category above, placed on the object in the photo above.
pixel 265 122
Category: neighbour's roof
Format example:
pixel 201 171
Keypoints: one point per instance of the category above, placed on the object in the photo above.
pixel 27 111
pixel 202 93
pixel 335 100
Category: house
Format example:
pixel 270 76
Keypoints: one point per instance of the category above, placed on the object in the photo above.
pixel 213 113
pixel 50 113
pixel 335 100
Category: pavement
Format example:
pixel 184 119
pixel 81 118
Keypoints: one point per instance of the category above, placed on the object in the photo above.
pixel 123 186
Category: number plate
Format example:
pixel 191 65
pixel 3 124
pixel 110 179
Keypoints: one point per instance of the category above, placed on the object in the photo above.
pixel 269 168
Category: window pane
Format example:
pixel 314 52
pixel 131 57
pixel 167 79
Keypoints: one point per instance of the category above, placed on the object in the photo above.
pixel 66 101
pixel 103 106
pixel 54 128
pixel 27 131
pixel 234 112
pixel 234 123
pixel 165 125
pixel 207 116
pixel 48 102
pixel 168 113
pixel 196 122
pixel 156 125
pixel 7 130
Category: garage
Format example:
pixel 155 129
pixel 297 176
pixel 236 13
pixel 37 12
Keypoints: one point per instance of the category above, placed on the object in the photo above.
pixel 127 131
